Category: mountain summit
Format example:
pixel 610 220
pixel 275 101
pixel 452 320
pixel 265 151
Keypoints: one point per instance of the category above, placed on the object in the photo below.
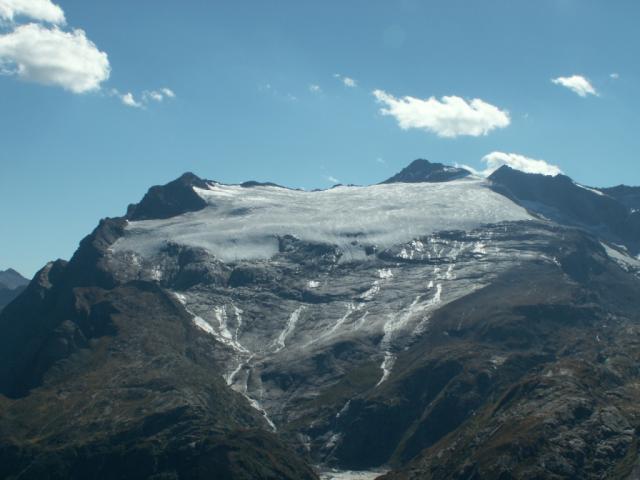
pixel 424 171
pixel 476 328
pixel 11 279
pixel 11 285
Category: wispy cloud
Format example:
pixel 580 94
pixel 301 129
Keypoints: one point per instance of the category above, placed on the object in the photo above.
pixel 333 179
pixel 158 95
pixel 495 160
pixel 269 89
pixel 129 100
pixel 347 81
pixel 145 99
pixel 577 84
pixel 614 76
pixel 313 88
pixel 448 117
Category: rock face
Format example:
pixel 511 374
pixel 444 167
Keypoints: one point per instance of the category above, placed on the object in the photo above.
pixel 562 200
pixel 436 328
pixel 629 196
pixel 424 171
pixel 169 200
pixel 11 285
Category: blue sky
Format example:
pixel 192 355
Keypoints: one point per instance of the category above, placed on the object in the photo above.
pixel 260 90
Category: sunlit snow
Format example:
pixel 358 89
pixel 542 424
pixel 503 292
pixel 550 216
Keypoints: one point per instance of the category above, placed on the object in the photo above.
pixel 245 223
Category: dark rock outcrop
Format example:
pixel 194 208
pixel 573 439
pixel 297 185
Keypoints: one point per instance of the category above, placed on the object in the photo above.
pixel 629 196
pixel 424 171
pixel 558 198
pixel 169 200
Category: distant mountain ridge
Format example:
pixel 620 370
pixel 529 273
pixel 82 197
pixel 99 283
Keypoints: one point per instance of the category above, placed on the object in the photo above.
pixel 560 199
pixel 11 279
pixel 11 285
pixel 629 196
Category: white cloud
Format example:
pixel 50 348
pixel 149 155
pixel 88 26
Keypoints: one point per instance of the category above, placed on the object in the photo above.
pixel 39 10
pixel 313 88
pixel 153 95
pixel 129 100
pixel 333 179
pixel 147 97
pixel 157 95
pixel 495 160
pixel 449 117
pixel 615 76
pixel 347 81
pixel 577 84
pixel 50 56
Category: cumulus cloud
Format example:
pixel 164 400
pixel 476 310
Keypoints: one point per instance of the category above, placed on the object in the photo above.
pixel 577 84
pixel 448 117
pixel 495 160
pixel 43 51
pixel 39 10
pixel 50 56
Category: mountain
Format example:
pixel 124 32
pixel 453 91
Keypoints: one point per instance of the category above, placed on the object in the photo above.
pixel 424 171
pixel 11 285
pixel 11 279
pixel 560 199
pixel 628 196
pixel 459 328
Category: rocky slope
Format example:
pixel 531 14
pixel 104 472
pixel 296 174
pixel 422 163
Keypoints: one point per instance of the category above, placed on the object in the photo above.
pixel 424 171
pixel 438 327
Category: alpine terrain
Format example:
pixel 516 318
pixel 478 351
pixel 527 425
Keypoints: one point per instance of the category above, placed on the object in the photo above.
pixel 11 285
pixel 438 325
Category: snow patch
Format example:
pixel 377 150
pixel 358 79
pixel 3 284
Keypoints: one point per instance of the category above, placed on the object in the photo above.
pixel 480 248
pixel 385 273
pixel 372 292
pixel 224 334
pixel 592 190
pixel 386 366
pixel 288 329
pixel 331 474
pixel 202 324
